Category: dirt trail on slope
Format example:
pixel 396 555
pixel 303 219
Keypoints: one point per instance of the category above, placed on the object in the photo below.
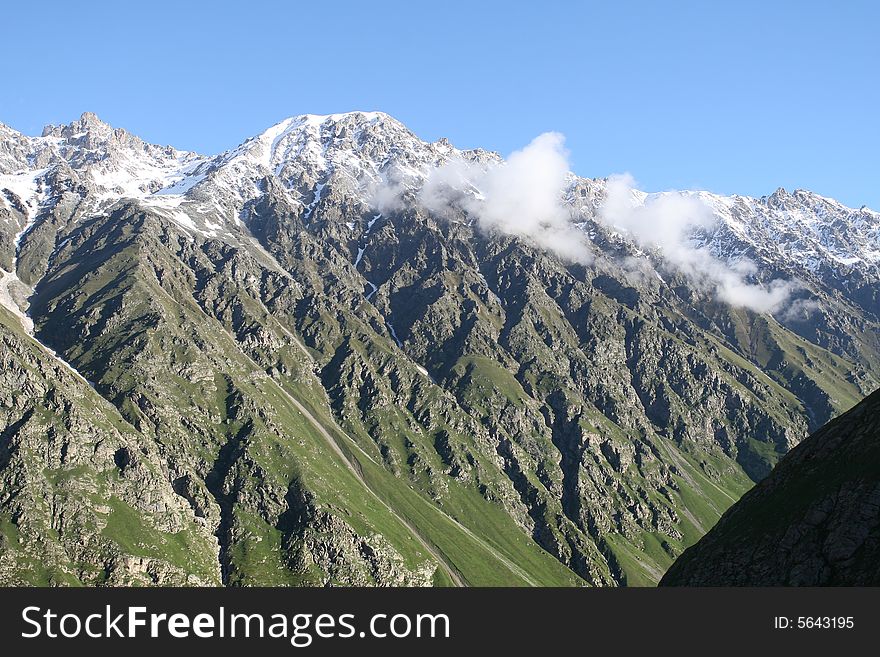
pixel 354 468
pixel 515 569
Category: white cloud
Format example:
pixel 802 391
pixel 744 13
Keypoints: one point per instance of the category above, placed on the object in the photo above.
pixel 667 222
pixel 800 310
pixel 387 196
pixel 521 196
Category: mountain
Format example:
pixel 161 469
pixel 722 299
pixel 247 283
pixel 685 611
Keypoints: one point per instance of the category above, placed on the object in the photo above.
pixel 287 364
pixel 814 521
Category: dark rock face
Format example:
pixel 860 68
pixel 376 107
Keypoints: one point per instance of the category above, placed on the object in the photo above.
pixel 814 521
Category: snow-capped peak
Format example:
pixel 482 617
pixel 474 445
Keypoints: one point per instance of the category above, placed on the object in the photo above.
pixel 111 161
pixel 356 140
pixel 800 231
pixel 312 158
pixel 312 155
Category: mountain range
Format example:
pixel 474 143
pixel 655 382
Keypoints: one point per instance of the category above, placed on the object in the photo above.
pixel 337 354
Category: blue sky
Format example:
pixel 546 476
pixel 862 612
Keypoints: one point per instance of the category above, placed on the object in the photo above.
pixel 733 97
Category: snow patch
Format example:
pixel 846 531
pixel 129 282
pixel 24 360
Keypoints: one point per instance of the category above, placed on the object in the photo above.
pixel 7 281
pixel 425 372
pixel 394 334
pixel 319 190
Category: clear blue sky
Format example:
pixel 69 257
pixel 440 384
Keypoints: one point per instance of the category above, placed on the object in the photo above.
pixel 734 97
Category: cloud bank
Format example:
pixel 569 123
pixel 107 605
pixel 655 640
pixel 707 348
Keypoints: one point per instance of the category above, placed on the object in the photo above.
pixel 521 196
pixel 667 222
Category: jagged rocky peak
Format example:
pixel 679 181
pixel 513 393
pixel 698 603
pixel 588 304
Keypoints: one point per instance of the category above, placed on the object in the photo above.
pixel 318 157
pixel 88 124
pixel 782 199
pixel 780 196
pixel 363 144
pixel 7 133
pixel 349 130
pixel 300 135
pixel 89 140
pixel 15 149
pixel 801 201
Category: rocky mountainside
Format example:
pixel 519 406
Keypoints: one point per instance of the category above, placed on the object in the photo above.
pixel 815 521
pixel 288 364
